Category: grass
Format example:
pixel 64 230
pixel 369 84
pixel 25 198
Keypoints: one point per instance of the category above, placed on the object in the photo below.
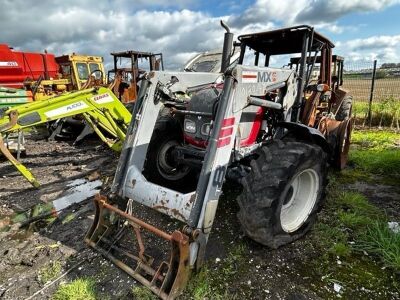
pixel 385 112
pixel 50 272
pixel 210 284
pixel 379 240
pixel 354 202
pixel 352 218
pixel 375 139
pixel 383 162
pixel 143 293
pixel 376 152
pixel 79 289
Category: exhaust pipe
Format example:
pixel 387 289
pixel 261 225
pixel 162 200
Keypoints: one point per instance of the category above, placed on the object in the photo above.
pixel 227 49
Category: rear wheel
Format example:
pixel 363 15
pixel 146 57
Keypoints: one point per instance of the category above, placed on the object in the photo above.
pixel 345 109
pixel 283 192
pixel 344 133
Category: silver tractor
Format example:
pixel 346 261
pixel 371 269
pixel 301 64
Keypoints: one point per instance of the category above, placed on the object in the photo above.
pixel 265 128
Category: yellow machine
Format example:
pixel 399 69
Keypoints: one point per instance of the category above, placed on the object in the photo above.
pixel 76 72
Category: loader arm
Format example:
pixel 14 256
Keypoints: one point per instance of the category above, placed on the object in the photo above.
pixel 99 107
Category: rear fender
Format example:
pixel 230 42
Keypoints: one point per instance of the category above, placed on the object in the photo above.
pixel 306 133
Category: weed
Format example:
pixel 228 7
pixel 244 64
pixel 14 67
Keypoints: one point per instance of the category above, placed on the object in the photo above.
pixel 207 283
pixel 232 262
pixel 79 289
pixel 199 286
pixel 384 162
pixel 328 234
pixel 375 139
pixel 383 242
pixel 50 272
pixel 384 113
pixel 143 293
pixel 354 220
pixel 340 249
pixel 357 203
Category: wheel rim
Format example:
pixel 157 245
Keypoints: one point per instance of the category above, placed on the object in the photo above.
pixel 167 166
pixel 300 200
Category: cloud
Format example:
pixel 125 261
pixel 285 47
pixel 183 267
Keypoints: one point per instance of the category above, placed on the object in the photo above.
pixel 174 28
pixel 385 48
pixel 92 30
pixel 328 11
pixel 315 12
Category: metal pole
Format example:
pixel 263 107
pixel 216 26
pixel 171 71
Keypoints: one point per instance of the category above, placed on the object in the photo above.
pixel 371 95
pixel 295 115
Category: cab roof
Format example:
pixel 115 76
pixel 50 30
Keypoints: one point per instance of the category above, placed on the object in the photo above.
pixel 130 53
pixel 283 41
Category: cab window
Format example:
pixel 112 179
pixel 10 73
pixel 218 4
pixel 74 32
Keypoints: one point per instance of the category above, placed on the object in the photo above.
pixel 66 70
pixel 94 67
pixel 83 71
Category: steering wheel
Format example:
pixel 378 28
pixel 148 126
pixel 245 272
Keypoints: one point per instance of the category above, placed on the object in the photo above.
pixel 92 81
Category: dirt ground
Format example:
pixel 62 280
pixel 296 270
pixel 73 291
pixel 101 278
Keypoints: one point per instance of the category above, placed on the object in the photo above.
pixel 287 273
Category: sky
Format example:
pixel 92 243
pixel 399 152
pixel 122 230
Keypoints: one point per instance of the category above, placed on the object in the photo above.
pixel 361 29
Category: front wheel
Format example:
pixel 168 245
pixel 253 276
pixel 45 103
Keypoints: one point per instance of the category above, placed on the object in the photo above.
pixel 283 192
pixel 161 167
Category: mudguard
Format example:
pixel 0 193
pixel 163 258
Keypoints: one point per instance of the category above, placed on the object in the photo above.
pixel 307 133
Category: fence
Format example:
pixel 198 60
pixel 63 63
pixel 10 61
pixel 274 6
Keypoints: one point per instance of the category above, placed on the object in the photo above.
pixel 376 92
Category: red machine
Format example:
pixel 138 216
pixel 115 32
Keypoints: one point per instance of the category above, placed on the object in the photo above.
pixel 17 66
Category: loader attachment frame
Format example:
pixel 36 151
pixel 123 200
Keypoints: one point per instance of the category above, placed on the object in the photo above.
pixel 168 278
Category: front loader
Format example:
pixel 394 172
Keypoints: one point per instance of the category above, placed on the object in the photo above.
pixel 99 107
pixel 255 125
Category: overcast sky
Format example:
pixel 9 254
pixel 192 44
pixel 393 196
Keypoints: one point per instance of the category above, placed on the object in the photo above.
pixel 361 29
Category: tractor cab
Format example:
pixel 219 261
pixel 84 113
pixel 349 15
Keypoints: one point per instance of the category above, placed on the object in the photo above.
pixel 129 66
pixel 75 73
pixel 78 69
pixel 320 102
pixel 272 46
pixel 336 70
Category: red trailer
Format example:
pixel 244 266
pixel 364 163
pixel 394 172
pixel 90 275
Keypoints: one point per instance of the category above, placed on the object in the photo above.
pixel 17 66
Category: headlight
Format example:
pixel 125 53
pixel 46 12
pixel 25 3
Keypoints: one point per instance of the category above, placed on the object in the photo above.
pixel 205 129
pixel 190 126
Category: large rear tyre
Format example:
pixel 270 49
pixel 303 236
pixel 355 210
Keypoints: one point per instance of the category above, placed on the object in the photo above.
pixel 345 109
pixel 343 135
pixel 283 192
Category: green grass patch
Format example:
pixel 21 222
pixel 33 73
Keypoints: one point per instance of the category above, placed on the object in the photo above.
pixel 50 272
pixel 143 293
pixel 379 240
pixel 79 289
pixel 385 112
pixel 354 202
pixel 374 152
pixel 340 249
pixel 354 220
pixel 384 162
pixel 375 139
pixel 210 284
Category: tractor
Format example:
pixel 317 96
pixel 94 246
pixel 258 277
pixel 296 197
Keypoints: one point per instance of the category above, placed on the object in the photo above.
pixel 266 129
pixel 127 78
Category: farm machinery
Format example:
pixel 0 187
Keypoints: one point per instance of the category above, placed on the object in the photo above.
pixel 98 106
pixel 43 75
pixel 76 72
pixel 26 77
pixel 265 128
pixel 127 78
